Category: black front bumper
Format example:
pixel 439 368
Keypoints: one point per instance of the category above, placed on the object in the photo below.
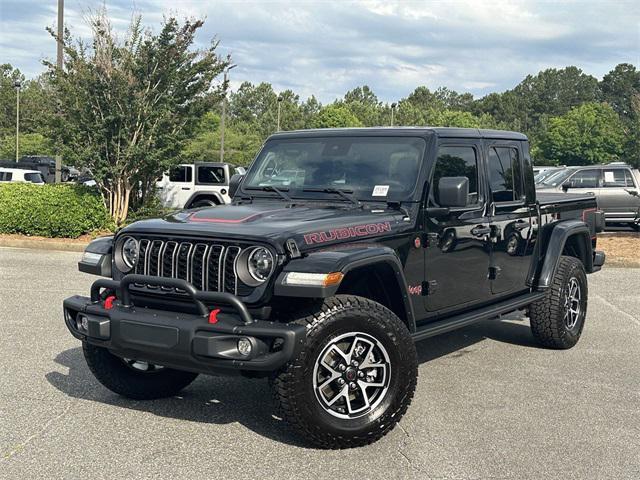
pixel 183 341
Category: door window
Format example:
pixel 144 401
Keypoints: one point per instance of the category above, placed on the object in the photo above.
pixel 505 174
pixel 457 162
pixel 211 175
pixel 589 178
pixel 5 176
pixel 181 174
pixel 617 178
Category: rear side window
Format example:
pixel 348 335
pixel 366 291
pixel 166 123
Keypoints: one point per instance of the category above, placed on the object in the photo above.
pixel 505 174
pixel 589 178
pixel 457 162
pixel 6 176
pixel 211 175
pixel 618 177
pixel 181 174
pixel 33 177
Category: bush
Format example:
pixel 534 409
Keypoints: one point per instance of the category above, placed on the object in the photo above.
pixel 51 210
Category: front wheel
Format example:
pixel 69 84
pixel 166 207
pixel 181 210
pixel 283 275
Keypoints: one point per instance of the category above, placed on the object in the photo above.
pixel 354 378
pixel 557 320
pixel 133 378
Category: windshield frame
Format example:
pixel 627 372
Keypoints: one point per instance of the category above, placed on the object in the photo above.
pixel 298 193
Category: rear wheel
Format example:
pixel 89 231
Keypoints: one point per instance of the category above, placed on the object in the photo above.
pixel 558 319
pixel 133 378
pixel 354 378
pixel 203 202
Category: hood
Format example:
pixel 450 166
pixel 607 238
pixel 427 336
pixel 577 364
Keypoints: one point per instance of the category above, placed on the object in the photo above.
pixel 309 225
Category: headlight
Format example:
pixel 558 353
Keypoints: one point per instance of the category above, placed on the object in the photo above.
pixel 255 265
pixel 127 254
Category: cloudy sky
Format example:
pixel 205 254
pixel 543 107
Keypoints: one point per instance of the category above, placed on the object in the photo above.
pixel 328 47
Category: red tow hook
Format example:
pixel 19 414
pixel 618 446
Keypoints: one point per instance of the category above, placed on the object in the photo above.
pixel 108 302
pixel 213 316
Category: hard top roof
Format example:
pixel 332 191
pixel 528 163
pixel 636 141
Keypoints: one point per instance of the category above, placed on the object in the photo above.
pixel 444 132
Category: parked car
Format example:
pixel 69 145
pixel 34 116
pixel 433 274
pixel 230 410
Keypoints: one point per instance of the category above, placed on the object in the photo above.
pixel 47 166
pixel 615 186
pixel 546 173
pixel 196 185
pixel 324 277
pixel 21 175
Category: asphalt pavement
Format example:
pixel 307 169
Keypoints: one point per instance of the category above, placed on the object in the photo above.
pixel 489 402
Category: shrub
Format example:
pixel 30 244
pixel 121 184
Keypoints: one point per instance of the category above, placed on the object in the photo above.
pixel 51 210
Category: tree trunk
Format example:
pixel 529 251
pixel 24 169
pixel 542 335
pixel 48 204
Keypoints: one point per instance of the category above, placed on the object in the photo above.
pixel 119 197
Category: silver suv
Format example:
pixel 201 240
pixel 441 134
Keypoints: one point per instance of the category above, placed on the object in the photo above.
pixel 616 187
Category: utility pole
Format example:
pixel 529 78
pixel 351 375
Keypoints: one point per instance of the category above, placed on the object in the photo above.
pixel 17 84
pixel 393 107
pixel 279 103
pixel 224 111
pixel 59 61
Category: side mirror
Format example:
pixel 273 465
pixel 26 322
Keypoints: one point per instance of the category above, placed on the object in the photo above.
pixel 566 186
pixel 234 183
pixel 453 191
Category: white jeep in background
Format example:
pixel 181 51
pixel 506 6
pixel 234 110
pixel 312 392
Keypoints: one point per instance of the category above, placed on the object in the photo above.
pixel 196 185
pixel 21 175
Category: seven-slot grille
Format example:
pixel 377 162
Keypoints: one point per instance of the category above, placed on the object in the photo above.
pixel 207 265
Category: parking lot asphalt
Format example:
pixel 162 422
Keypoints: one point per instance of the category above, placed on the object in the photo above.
pixel 489 402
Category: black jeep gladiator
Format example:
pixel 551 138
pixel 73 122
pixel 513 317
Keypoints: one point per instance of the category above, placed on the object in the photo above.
pixel 341 249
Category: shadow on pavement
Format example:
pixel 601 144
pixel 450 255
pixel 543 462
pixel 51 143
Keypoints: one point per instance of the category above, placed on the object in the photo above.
pixel 229 399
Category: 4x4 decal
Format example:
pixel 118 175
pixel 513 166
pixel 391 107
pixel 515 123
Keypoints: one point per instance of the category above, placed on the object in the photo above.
pixel 347 232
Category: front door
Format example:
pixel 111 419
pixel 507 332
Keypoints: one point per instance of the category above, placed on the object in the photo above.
pixel 618 195
pixel 177 187
pixel 457 252
pixel 511 216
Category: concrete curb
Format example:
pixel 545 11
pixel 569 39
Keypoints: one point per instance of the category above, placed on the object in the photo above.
pixel 43 244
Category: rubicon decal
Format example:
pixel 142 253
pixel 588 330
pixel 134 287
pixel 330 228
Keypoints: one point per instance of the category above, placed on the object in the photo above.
pixel 347 232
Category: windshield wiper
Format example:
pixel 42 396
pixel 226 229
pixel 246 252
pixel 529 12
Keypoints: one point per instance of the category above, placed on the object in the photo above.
pixel 271 188
pixel 346 194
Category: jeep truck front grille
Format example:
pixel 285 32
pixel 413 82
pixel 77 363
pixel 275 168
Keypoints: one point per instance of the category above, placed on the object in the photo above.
pixel 208 266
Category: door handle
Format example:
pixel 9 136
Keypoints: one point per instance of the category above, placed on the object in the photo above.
pixel 480 230
pixel 186 188
pixel 590 193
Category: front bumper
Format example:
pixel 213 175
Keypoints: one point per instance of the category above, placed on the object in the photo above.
pixel 178 340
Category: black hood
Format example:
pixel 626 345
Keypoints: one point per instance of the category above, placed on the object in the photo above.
pixel 310 225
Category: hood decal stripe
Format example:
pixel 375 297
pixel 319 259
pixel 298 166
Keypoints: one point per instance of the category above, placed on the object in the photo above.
pixel 194 218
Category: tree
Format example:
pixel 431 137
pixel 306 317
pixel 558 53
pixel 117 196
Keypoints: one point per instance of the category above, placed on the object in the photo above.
pixel 586 135
pixel 336 115
pixel 364 104
pixel 30 144
pixel 128 107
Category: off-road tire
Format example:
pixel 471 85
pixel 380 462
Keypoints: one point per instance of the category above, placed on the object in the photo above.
pixel 113 373
pixel 293 386
pixel 547 316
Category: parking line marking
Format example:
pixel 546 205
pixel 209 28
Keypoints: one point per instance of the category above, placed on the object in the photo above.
pixel 611 305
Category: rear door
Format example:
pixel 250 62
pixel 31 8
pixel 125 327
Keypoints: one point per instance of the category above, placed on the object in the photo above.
pixel 511 216
pixel 616 196
pixel 457 253
pixel 178 186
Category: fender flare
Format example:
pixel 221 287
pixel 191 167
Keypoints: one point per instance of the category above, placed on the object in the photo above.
pixel 344 261
pixel 555 245
pixel 203 193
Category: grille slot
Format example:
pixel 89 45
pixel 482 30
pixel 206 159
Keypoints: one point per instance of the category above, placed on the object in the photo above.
pixel 208 266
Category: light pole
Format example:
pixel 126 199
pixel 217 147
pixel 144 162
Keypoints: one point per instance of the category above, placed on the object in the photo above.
pixel 59 64
pixel 279 103
pixel 393 107
pixel 17 84
pixel 224 108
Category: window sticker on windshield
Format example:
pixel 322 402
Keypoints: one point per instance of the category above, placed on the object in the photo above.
pixel 380 191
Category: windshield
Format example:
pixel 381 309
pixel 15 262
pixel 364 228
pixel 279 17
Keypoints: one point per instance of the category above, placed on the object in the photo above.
pixel 557 178
pixel 372 168
pixel 546 174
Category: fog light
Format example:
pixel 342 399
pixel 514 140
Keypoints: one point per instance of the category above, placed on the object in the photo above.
pixel 244 346
pixel 82 323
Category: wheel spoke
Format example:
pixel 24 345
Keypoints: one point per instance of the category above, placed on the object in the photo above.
pixel 363 391
pixel 343 393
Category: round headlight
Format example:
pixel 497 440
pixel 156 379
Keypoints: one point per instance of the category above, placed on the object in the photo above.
pixel 130 251
pixel 255 265
pixel 260 263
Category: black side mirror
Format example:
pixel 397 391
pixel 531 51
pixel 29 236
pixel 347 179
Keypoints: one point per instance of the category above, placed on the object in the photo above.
pixel 234 183
pixel 566 186
pixel 453 191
